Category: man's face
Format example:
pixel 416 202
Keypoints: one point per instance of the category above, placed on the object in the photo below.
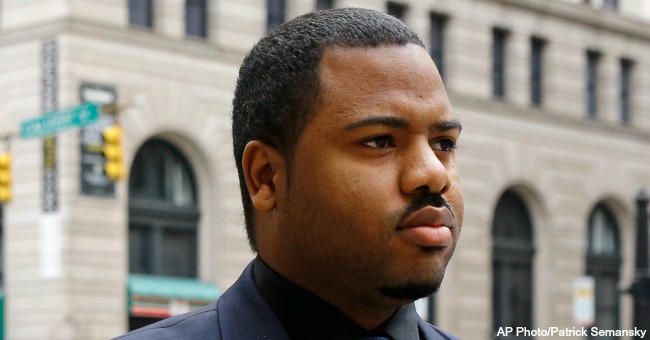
pixel 373 208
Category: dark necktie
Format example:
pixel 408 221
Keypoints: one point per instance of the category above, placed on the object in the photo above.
pixel 376 337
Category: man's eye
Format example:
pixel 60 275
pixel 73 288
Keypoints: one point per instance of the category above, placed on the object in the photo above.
pixel 446 144
pixel 379 142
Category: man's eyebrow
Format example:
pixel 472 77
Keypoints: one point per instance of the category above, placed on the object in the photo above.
pixel 390 121
pixel 402 123
pixel 447 125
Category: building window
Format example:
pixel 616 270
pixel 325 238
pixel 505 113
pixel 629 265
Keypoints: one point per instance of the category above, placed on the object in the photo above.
pixel 426 308
pixel 603 263
pixel 611 5
pixel 536 70
pixel 275 14
pixel 625 88
pixel 196 14
pixel 141 13
pixel 163 213
pixel 593 59
pixel 396 9
pixel 437 40
pixel 512 264
pixel 499 41
pixel 324 4
pixel 431 309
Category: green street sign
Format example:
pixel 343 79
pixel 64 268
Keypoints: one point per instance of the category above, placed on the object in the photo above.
pixel 55 121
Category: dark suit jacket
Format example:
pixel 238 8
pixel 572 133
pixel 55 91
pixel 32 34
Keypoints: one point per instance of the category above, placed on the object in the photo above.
pixel 241 313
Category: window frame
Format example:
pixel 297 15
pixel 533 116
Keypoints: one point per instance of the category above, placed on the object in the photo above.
pixel 141 13
pixel 537 49
pixel 276 12
pixel 154 214
pixel 499 61
pixel 611 5
pixel 625 90
pixel 396 9
pixel 592 82
pixel 200 30
pixel 604 266
pixel 437 32
pixel 512 258
pixel 324 4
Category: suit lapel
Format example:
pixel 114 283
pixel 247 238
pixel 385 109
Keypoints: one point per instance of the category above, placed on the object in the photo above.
pixel 243 313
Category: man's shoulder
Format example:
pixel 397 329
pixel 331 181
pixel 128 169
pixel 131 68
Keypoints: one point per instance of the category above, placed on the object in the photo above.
pixel 431 332
pixel 199 324
pixel 444 334
pixel 240 313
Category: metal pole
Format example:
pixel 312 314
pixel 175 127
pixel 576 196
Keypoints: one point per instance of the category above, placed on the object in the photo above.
pixel 641 285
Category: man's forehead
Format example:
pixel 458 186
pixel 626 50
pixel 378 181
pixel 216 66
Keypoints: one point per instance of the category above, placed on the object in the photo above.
pixel 333 53
pixel 355 73
pixel 394 65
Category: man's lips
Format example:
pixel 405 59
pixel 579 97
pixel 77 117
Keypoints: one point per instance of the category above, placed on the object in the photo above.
pixel 428 227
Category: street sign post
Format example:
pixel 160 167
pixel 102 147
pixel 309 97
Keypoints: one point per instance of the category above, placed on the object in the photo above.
pixel 59 120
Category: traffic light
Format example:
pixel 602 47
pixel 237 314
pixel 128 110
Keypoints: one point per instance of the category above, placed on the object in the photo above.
pixel 5 177
pixel 113 152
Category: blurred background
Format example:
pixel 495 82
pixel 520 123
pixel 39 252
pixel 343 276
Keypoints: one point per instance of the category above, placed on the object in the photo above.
pixel 127 210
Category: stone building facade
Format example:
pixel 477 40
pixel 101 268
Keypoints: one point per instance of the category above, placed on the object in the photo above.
pixel 555 147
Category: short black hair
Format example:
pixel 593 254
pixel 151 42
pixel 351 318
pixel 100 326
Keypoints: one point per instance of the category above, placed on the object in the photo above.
pixel 278 85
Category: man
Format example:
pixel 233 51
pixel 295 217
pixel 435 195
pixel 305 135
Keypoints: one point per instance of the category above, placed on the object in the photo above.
pixel 345 143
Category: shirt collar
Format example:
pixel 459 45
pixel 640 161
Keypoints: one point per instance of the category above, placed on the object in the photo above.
pixel 306 316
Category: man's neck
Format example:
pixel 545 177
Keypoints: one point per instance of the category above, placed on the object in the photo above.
pixel 367 316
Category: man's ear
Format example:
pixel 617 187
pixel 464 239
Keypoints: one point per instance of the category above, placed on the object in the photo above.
pixel 262 163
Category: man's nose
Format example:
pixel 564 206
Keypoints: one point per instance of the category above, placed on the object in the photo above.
pixel 423 171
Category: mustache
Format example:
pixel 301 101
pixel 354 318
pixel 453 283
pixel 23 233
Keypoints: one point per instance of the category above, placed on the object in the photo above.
pixel 425 200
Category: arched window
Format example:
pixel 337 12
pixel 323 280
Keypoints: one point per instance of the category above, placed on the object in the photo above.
pixel 163 237
pixel 163 213
pixel 512 265
pixel 603 263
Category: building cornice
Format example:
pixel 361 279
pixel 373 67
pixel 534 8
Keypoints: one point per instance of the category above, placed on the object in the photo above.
pixel 124 35
pixel 598 19
pixel 542 116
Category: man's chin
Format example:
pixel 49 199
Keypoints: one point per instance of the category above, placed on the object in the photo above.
pixel 412 291
pixel 427 284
